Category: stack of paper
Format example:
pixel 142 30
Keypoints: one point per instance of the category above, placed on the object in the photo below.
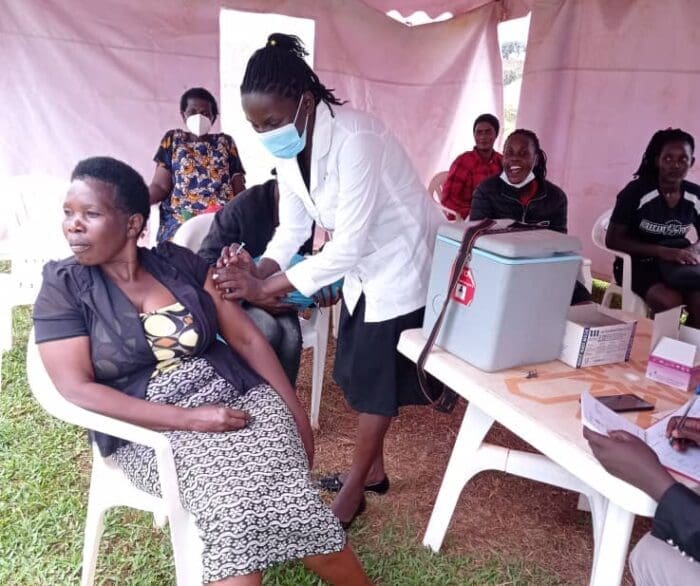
pixel 601 419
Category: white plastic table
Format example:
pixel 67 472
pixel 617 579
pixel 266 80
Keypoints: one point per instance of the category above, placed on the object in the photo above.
pixel 544 411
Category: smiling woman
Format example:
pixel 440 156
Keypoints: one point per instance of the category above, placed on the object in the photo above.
pixel 523 194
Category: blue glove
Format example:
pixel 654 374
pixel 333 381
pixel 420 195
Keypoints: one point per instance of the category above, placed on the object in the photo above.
pixel 301 301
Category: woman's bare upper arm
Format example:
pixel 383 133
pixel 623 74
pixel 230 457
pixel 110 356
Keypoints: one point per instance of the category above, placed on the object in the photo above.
pixel 68 362
pixel 232 320
pixel 162 179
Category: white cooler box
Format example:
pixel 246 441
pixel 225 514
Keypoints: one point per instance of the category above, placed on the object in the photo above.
pixel 511 308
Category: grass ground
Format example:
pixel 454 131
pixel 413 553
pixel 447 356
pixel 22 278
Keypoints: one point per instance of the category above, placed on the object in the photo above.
pixel 44 473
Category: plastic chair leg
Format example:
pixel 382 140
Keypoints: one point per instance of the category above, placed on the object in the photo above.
pixel 94 524
pixel 336 317
pixel 608 295
pixel 187 550
pixel 319 365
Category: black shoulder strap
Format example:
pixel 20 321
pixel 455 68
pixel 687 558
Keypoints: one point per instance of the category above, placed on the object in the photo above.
pixel 463 259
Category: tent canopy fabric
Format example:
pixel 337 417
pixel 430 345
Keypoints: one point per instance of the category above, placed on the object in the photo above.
pixel 82 78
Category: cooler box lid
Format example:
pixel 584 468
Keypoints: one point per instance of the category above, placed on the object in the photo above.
pixel 525 244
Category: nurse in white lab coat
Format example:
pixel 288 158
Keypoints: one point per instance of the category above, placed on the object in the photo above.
pixel 345 171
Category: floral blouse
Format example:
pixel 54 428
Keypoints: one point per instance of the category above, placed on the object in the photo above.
pixel 201 168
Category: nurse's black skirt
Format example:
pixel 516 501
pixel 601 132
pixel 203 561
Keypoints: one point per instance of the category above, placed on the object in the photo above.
pixel 374 377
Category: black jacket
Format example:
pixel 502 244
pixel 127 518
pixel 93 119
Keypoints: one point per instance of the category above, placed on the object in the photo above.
pixel 496 200
pixel 249 217
pixel 77 300
pixel 677 519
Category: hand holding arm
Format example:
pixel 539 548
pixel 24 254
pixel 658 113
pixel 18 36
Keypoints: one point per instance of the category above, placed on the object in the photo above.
pixel 618 238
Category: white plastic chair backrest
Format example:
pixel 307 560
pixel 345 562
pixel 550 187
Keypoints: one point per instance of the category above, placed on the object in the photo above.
pixel 35 198
pixel 35 232
pixel 150 232
pixel 435 191
pixel 600 229
pixel 46 393
pixel 435 186
pixel 193 231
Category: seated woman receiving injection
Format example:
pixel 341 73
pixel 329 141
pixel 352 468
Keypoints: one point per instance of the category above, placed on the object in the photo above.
pixel 132 333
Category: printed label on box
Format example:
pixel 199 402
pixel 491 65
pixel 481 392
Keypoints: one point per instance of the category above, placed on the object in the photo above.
pixel 465 288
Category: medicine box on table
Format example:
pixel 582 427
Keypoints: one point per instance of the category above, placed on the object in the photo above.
pixel 592 337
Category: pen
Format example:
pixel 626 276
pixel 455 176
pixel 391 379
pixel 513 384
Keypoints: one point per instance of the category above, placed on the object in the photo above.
pixel 685 414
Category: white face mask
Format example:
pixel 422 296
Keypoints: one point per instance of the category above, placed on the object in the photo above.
pixel 198 124
pixel 523 183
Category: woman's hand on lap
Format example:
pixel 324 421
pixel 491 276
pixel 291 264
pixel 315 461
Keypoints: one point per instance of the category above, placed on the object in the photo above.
pixel 216 419
pixel 682 256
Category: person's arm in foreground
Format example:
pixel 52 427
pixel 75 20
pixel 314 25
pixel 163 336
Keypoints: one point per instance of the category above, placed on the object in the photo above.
pixel 677 516
pixel 69 365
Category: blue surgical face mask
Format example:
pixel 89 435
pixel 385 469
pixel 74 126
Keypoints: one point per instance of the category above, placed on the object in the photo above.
pixel 284 142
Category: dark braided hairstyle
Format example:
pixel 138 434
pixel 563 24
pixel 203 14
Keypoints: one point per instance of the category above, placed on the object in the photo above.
pixel 648 168
pixel 279 68
pixel 540 169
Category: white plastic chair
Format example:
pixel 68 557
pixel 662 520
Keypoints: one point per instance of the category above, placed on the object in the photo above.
pixel 109 487
pixel 435 191
pixel 314 330
pixel 314 334
pixel 150 232
pixel 35 236
pixel 193 231
pixel 585 274
pixel 630 300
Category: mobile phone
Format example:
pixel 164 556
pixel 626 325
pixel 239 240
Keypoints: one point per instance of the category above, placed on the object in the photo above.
pixel 628 402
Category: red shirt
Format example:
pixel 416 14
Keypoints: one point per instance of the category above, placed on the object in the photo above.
pixel 467 171
pixel 528 192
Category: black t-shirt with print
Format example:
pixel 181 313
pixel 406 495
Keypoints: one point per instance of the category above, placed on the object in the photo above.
pixel 643 210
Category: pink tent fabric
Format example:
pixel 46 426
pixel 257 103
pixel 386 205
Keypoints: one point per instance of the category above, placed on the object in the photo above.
pixel 600 78
pixel 84 78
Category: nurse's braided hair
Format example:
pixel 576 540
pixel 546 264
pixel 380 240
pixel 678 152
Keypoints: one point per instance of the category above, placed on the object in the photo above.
pixel 540 169
pixel 279 68
pixel 648 168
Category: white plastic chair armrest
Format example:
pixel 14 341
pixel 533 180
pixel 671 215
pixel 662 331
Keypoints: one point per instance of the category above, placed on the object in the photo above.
pixel 626 270
pixel 450 215
pixel 62 409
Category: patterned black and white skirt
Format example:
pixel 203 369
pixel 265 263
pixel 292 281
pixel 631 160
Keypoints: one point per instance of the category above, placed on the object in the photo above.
pixel 249 490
